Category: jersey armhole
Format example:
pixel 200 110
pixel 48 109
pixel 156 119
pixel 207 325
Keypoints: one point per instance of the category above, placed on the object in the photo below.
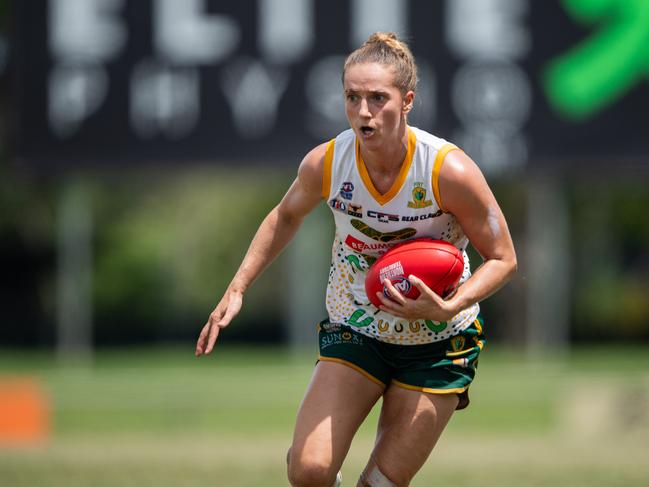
pixel 437 168
pixel 326 172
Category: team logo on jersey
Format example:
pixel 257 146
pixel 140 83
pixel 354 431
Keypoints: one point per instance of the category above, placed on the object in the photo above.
pixel 419 197
pixel 457 343
pixel 347 190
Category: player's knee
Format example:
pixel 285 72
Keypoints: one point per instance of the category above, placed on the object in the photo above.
pixel 311 473
pixel 373 476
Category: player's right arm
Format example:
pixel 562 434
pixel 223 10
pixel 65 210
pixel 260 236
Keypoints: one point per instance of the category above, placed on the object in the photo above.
pixel 274 233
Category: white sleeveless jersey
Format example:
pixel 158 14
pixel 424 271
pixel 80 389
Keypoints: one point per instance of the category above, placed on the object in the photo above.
pixel 368 224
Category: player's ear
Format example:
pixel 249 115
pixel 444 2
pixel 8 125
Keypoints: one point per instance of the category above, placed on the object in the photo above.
pixel 408 100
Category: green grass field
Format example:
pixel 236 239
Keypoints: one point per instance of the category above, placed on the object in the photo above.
pixel 160 417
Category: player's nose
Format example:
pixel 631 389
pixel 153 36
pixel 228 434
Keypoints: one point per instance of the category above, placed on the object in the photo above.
pixel 364 109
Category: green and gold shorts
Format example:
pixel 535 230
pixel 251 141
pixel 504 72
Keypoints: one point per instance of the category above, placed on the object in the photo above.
pixel 444 367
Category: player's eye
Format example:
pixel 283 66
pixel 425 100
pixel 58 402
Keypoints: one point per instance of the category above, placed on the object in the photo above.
pixel 352 97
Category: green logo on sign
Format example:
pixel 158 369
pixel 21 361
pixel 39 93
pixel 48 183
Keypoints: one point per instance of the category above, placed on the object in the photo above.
pixel 605 67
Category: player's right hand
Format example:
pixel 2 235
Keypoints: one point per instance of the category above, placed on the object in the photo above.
pixel 225 311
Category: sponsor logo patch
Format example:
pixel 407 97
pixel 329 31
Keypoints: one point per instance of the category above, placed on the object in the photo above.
pixel 382 217
pixel 360 246
pixel 336 204
pixel 416 218
pixel 338 338
pixel 355 210
pixel 329 327
pixel 345 207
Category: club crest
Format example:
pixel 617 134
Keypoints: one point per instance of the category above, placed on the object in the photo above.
pixel 457 343
pixel 419 197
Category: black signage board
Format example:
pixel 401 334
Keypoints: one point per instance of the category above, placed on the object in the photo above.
pixel 518 84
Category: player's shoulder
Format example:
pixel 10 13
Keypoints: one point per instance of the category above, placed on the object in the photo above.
pixel 315 168
pixel 316 156
pixel 312 164
pixel 453 163
pixel 345 136
pixel 459 174
pixel 429 140
pixel 320 156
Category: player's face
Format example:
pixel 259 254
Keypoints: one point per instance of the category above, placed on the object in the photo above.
pixel 375 107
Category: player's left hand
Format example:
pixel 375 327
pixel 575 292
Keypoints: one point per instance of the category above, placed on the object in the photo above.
pixel 428 305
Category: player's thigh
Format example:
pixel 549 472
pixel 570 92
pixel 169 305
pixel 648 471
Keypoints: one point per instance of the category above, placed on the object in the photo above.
pixel 336 402
pixel 410 424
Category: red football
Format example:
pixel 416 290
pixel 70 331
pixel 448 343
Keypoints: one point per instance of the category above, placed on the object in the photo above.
pixel 436 262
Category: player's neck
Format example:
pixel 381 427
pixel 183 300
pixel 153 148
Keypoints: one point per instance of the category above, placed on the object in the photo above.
pixel 388 157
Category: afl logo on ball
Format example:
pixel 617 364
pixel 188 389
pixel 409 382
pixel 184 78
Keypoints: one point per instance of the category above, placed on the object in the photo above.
pixel 402 285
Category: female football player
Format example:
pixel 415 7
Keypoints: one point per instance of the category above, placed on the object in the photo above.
pixel 385 182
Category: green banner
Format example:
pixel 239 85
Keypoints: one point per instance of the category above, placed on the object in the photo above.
pixel 603 68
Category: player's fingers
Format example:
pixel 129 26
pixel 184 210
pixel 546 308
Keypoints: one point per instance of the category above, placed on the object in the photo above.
pixel 211 340
pixel 215 316
pixel 425 290
pixel 388 303
pixel 421 285
pixel 385 301
pixel 417 282
pixel 200 343
pixel 395 295
pixel 390 306
pixel 389 309
pixel 218 313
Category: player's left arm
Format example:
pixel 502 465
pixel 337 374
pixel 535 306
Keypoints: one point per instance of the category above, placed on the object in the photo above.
pixel 464 192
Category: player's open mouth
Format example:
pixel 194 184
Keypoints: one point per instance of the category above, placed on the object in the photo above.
pixel 367 131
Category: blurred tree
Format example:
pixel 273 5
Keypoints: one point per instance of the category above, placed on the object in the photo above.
pixel 611 266
pixel 27 260
pixel 167 246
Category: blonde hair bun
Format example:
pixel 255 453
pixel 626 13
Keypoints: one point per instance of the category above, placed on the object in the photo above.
pixel 386 48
